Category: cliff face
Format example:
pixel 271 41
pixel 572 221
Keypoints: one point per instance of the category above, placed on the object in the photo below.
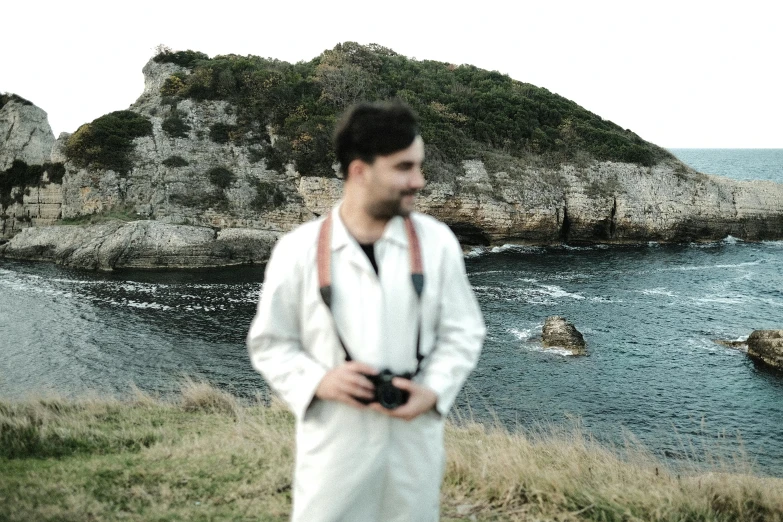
pixel 25 138
pixel 25 134
pixel 186 182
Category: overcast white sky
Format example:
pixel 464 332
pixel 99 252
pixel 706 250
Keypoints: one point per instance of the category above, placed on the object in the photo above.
pixel 679 74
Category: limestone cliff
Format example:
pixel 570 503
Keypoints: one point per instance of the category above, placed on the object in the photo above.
pixel 25 133
pixel 198 193
pixel 28 196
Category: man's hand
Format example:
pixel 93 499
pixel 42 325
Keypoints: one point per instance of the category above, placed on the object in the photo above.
pixel 421 400
pixel 346 383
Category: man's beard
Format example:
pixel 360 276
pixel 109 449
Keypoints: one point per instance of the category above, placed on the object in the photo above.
pixel 390 208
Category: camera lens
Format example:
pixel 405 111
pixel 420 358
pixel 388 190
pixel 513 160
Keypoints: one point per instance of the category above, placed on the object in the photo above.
pixel 389 396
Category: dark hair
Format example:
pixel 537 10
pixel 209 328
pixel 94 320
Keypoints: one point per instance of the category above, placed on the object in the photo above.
pixel 368 130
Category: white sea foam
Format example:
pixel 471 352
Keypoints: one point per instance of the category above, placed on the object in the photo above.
pixel 554 350
pixel 691 268
pixel 599 246
pixel 524 249
pixel 718 299
pixel 556 291
pixel 731 240
pixel 141 305
pixel 524 334
pixel 475 252
pixel 659 291
pixel 530 337
pixel 601 299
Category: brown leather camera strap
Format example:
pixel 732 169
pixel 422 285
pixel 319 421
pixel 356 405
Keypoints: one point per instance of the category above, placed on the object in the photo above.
pixel 324 262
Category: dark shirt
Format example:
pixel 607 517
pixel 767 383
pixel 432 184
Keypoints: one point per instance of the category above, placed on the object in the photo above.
pixel 370 251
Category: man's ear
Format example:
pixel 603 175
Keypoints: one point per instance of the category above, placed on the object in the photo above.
pixel 357 169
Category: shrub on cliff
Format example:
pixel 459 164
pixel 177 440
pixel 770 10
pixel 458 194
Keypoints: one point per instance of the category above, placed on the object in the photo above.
pixel 222 132
pixel 8 97
pixel 106 142
pixel 175 161
pixel 464 110
pixel 268 195
pixel 221 177
pixel 181 58
pixel 22 175
pixel 175 125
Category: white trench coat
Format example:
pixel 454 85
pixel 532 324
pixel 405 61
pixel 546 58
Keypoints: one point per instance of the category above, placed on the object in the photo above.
pixel 359 465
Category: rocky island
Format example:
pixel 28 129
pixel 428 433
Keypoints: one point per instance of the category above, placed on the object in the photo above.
pixel 219 156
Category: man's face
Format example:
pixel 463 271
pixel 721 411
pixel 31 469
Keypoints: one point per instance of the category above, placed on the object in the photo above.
pixel 394 180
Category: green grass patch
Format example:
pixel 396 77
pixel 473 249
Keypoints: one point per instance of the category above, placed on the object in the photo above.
pixel 118 213
pixel 205 456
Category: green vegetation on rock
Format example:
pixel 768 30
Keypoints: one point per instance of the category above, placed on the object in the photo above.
pixel 268 195
pixel 22 175
pixel 107 142
pixel 222 132
pixel 221 177
pixel 465 111
pixel 6 97
pixel 175 161
pixel 174 124
pixel 181 58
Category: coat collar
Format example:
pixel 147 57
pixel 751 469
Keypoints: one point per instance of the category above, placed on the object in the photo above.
pixel 393 233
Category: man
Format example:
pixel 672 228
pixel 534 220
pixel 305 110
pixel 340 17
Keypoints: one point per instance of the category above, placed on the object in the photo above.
pixel 357 460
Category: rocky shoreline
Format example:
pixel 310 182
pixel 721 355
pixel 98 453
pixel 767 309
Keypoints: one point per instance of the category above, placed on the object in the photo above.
pixel 188 200
pixel 140 244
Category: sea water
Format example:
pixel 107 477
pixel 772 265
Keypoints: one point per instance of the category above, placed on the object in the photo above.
pixel 650 314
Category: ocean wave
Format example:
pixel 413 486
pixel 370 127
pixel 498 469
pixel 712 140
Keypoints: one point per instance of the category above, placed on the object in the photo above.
pixel 475 252
pixel 601 299
pixel 658 291
pixel 599 246
pixel 554 350
pixel 530 337
pixel 691 268
pixel 525 334
pixel 130 303
pixel 719 299
pixel 522 249
pixel 536 294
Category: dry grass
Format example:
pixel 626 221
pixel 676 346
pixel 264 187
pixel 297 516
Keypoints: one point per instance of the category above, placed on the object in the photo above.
pixel 207 457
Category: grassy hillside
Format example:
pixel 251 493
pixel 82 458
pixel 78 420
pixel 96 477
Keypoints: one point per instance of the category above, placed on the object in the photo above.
pixel 206 457
pixel 466 112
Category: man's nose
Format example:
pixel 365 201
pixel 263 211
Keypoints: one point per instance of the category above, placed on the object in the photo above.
pixel 417 180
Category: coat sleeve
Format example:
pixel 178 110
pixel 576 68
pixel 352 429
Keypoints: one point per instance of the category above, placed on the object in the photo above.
pixel 459 332
pixel 274 340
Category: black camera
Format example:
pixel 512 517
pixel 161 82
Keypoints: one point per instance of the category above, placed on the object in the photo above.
pixel 387 394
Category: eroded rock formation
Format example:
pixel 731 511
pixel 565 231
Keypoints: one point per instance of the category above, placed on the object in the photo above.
pixel 25 133
pixel 767 346
pixel 560 333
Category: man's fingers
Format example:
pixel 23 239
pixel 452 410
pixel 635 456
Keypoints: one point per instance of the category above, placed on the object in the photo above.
pixel 360 367
pixel 403 384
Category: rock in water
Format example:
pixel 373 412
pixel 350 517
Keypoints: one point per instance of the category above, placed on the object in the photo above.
pixel 561 333
pixel 767 345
